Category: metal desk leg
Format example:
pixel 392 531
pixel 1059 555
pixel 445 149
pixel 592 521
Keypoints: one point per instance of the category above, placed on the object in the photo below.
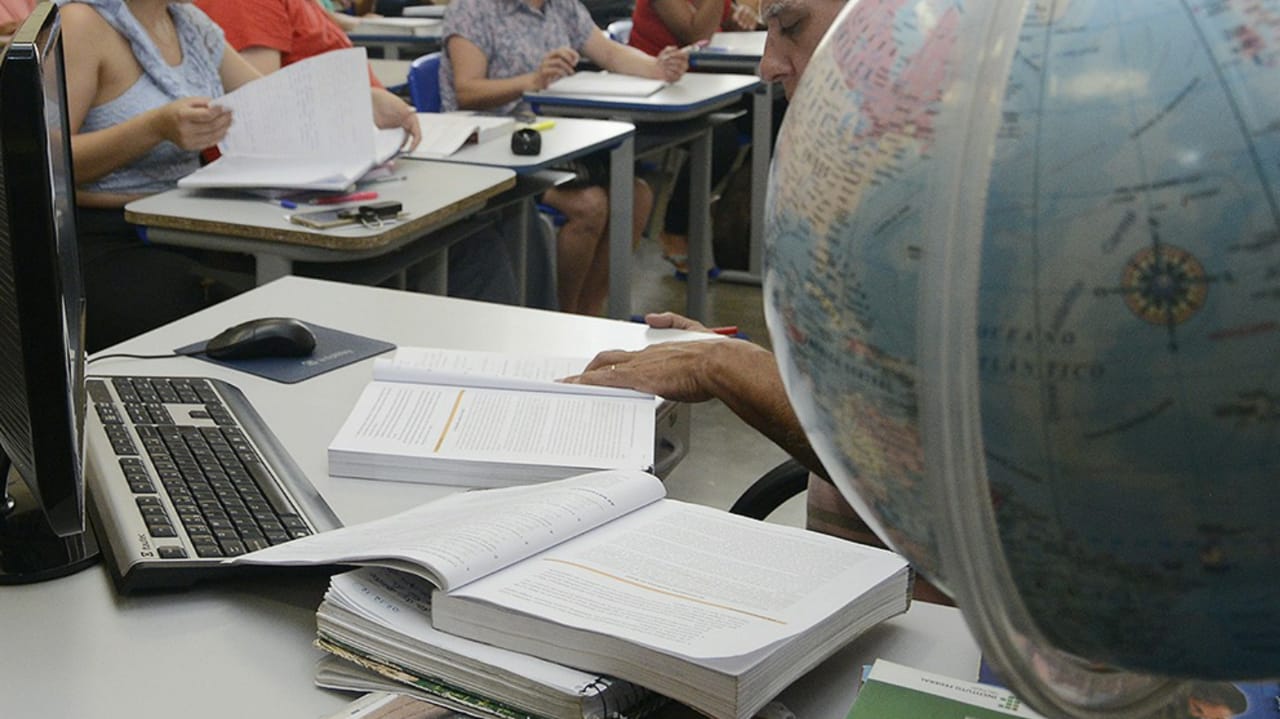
pixel 761 150
pixel 699 224
pixel 524 215
pixel 268 267
pixel 621 208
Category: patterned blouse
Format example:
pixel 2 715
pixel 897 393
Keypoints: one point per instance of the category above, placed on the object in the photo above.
pixel 514 36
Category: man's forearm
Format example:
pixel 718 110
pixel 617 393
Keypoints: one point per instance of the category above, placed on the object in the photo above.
pixel 745 377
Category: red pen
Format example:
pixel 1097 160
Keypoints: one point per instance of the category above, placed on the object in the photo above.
pixel 729 330
pixel 339 199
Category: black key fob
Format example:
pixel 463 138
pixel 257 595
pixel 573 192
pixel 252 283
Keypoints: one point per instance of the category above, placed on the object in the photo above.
pixel 526 141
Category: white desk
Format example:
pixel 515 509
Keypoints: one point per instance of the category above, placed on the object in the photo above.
pixel 570 139
pixel 434 195
pixel 72 648
pixel 390 72
pixel 689 101
pixel 395 35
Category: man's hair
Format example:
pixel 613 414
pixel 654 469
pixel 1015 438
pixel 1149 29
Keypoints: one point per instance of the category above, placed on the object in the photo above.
pixel 1220 693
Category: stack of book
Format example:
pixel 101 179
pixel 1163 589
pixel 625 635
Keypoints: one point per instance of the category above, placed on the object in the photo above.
pixel 599 572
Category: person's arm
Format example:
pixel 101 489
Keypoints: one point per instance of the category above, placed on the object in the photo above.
pixel 741 374
pixel 669 65
pixel 689 21
pixel 475 90
pixel 265 60
pixel 191 123
pixel 391 111
pixel 236 70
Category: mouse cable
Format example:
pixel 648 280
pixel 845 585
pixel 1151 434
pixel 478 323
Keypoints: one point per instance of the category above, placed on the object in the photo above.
pixel 126 355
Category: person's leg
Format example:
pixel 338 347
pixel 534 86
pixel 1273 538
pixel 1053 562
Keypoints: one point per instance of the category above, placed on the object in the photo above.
pixel 675 229
pixel 131 287
pixel 481 268
pixel 641 209
pixel 586 212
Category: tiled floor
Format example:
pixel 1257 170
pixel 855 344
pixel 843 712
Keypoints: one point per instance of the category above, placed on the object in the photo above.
pixel 725 454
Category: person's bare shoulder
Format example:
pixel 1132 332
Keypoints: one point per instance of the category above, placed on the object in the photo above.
pixel 82 24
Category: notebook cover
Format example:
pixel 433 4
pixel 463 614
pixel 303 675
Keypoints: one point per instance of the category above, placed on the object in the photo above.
pixel 334 349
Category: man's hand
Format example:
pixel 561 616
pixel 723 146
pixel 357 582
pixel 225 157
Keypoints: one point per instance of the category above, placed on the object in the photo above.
pixel 192 123
pixel 673 321
pixel 673 370
pixel 391 111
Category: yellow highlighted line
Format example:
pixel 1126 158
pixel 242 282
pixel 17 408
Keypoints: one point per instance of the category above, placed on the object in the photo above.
pixel 449 423
pixel 685 597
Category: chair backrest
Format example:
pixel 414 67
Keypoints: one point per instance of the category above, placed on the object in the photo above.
pixel 424 82
pixel 619 30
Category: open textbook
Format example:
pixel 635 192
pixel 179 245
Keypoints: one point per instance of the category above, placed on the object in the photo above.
pixel 376 625
pixel 306 126
pixel 602 573
pixel 604 83
pixel 444 133
pixel 482 419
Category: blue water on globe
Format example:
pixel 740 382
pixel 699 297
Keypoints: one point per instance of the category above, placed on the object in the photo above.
pixel 1128 317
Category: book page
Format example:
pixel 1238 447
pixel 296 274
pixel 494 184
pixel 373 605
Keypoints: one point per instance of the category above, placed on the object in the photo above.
pixel 489 369
pixel 604 83
pixel 444 133
pixel 320 106
pixel 403 604
pixel 691 581
pixel 467 535
pixel 437 422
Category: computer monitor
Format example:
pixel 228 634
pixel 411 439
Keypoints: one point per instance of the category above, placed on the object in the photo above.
pixel 42 399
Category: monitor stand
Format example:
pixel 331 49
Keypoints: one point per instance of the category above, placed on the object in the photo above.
pixel 29 550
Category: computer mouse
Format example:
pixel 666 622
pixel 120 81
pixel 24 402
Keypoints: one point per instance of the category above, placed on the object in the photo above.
pixel 526 141
pixel 266 337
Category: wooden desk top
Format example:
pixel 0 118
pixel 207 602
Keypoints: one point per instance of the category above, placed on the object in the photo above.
pixel 432 193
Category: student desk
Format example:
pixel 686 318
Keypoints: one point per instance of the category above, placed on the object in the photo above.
pixel 572 138
pixel 434 196
pixel 390 72
pixel 414 36
pixel 688 103
pixel 242 648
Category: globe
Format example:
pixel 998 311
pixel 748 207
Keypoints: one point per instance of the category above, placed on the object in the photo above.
pixel 1023 281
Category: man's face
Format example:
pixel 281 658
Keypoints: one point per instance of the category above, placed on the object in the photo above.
pixel 1201 709
pixel 794 29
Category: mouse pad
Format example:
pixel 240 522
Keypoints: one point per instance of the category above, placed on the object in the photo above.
pixel 334 349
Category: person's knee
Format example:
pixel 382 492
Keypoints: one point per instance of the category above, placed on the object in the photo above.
pixel 586 205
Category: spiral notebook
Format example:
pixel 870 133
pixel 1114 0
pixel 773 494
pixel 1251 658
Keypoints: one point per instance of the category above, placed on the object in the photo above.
pixel 376 626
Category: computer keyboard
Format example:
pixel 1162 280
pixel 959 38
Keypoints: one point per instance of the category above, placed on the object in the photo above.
pixel 182 473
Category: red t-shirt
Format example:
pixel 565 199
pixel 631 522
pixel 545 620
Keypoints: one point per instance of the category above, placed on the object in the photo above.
pixel 298 29
pixel 650 34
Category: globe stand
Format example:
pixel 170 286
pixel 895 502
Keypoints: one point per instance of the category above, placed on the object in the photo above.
pixel 29 550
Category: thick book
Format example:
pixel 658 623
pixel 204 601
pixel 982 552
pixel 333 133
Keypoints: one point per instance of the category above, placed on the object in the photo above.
pixel 604 83
pixel 894 691
pixel 603 573
pixel 376 625
pixel 444 133
pixel 482 419
pixel 306 126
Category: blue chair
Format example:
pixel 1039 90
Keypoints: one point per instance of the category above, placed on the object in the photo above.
pixel 424 82
pixel 619 31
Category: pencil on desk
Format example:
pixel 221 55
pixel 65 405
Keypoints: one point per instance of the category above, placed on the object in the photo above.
pixel 542 126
